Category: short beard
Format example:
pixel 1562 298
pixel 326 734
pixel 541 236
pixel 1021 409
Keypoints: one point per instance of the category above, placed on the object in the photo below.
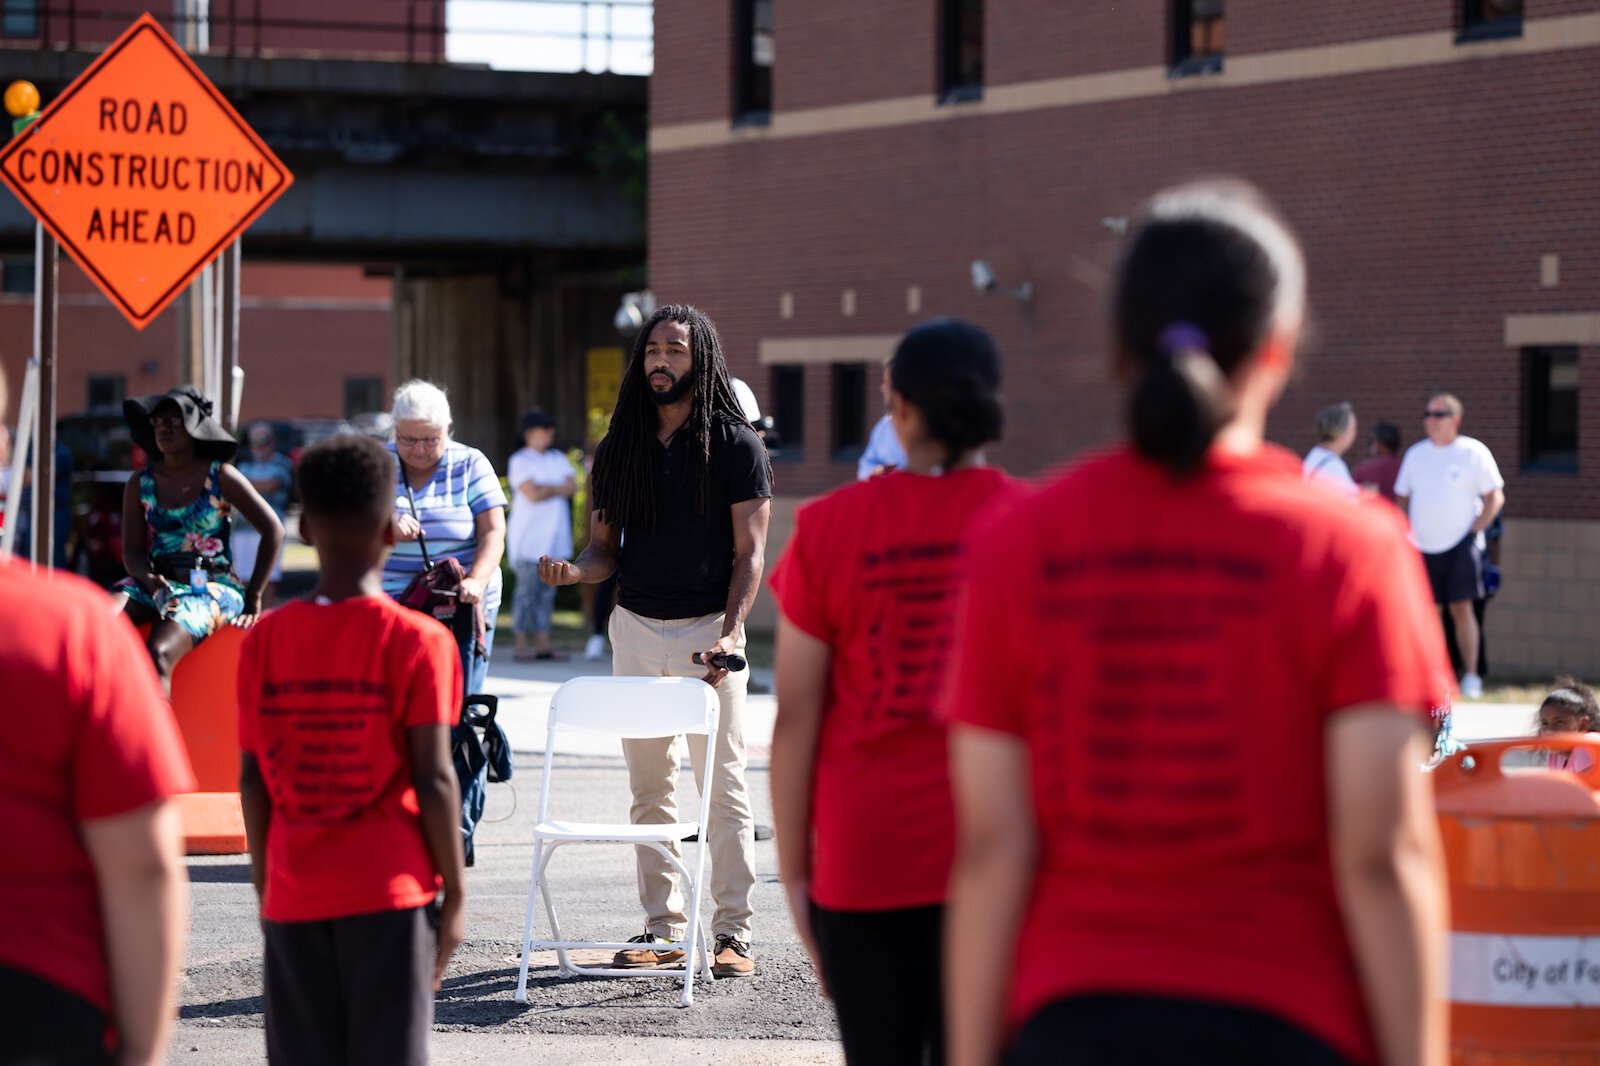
pixel 679 390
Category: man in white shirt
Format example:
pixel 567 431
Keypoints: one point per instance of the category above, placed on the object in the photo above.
pixel 542 481
pixel 1451 487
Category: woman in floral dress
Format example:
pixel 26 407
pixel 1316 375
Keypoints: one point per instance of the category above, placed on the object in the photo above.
pixel 175 528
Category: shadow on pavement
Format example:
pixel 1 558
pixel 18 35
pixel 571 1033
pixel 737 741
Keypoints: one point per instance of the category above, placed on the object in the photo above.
pixel 237 873
pixel 223 1008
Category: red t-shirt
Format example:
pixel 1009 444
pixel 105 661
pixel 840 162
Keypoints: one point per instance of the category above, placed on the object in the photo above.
pixel 1380 470
pixel 1171 652
pixel 86 735
pixel 872 570
pixel 327 693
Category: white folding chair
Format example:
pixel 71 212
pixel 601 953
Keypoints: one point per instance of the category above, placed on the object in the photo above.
pixel 631 707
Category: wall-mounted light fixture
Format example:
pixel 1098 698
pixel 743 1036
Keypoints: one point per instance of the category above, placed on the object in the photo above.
pixel 984 281
pixel 633 309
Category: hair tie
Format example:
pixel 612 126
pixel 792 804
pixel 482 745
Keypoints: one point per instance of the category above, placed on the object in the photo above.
pixel 1182 337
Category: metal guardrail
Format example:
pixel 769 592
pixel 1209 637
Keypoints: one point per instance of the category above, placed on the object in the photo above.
pixel 419 32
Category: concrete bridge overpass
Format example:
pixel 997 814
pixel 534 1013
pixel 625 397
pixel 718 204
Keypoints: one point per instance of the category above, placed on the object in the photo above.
pixel 508 207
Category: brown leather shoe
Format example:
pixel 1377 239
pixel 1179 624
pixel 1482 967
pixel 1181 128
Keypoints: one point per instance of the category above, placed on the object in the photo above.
pixel 732 958
pixel 644 958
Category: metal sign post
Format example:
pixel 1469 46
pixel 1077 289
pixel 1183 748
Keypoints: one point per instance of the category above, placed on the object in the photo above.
pixel 27 421
pixel 47 259
pixel 228 324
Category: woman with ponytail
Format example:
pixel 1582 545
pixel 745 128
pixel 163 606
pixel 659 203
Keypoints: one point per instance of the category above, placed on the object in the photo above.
pixel 1141 875
pixel 860 787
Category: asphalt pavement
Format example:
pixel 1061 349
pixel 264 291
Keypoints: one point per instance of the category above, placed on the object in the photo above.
pixel 777 1016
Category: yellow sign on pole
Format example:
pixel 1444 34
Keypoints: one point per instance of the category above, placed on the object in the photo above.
pixel 603 370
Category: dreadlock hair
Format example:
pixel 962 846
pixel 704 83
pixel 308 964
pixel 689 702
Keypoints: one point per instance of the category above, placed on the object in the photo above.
pixel 624 484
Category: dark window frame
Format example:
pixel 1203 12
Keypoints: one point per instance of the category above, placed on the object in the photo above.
pixel 752 83
pixel 17 275
pixel 1185 62
pixel 847 385
pixel 1543 452
pixel 1476 27
pixel 116 384
pixel 788 384
pixel 956 85
pixel 371 385
pixel 20 19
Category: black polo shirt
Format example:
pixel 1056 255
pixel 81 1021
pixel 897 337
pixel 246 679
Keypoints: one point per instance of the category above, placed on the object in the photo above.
pixel 682 568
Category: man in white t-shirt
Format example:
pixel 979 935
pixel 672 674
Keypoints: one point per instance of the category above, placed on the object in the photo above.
pixel 1452 489
pixel 542 481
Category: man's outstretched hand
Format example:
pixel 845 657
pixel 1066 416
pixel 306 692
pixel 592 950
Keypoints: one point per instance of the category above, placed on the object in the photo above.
pixel 558 571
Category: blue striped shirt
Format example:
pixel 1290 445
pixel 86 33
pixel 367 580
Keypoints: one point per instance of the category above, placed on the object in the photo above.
pixel 464 486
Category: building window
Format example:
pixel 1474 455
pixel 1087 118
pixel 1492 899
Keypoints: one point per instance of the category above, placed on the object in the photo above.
pixel 362 396
pixel 107 390
pixel 960 50
pixel 19 18
pixel 1483 20
pixel 16 276
pixel 752 74
pixel 1550 408
pixel 1196 37
pixel 788 411
pixel 849 411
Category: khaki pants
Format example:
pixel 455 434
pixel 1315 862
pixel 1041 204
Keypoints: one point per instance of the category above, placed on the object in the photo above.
pixel 651 647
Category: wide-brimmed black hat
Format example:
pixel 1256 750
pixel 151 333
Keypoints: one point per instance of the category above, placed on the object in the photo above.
pixel 211 441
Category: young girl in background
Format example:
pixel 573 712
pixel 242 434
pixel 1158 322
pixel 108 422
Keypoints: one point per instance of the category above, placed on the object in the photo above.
pixel 1569 708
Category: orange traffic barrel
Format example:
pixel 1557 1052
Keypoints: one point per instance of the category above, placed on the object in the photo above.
pixel 1522 847
pixel 205 700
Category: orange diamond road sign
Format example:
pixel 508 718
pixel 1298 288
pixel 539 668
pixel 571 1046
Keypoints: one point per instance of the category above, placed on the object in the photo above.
pixel 143 171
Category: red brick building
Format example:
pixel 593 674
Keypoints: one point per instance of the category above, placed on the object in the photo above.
pixel 314 341
pixel 824 174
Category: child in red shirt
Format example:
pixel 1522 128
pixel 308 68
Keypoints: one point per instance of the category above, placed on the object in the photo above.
pixel 93 897
pixel 860 785
pixel 1141 876
pixel 351 803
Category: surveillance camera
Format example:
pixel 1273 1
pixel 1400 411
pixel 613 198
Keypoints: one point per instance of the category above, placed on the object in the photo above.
pixel 982 276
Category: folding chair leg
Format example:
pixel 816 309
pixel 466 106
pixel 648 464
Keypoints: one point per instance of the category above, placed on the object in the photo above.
pixel 527 922
pixel 563 964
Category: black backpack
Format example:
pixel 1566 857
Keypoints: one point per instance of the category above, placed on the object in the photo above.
pixel 482 754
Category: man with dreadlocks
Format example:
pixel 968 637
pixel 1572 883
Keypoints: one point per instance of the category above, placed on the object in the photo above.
pixel 682 493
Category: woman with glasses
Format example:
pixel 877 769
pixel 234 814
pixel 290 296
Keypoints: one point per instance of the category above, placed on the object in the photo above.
pixel 175 528
pixel 448 503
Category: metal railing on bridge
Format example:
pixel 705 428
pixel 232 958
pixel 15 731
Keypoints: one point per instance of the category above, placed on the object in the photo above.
pixel 558 35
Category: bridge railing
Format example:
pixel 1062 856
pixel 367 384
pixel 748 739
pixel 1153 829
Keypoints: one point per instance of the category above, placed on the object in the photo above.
pixel 569 35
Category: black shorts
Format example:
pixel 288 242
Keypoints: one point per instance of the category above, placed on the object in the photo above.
pixel 41 1023
pixel 351 990
pixel 883 970
pixel 1155 1031
pixel 1456 575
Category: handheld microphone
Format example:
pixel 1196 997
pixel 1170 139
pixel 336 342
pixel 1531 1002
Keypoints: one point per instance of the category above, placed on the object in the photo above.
pixel 731 661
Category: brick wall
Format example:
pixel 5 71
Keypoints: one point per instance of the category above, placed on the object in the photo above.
pixel 302 331
pixel 1425 197
pixel 1546 619
pixel 1426 194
